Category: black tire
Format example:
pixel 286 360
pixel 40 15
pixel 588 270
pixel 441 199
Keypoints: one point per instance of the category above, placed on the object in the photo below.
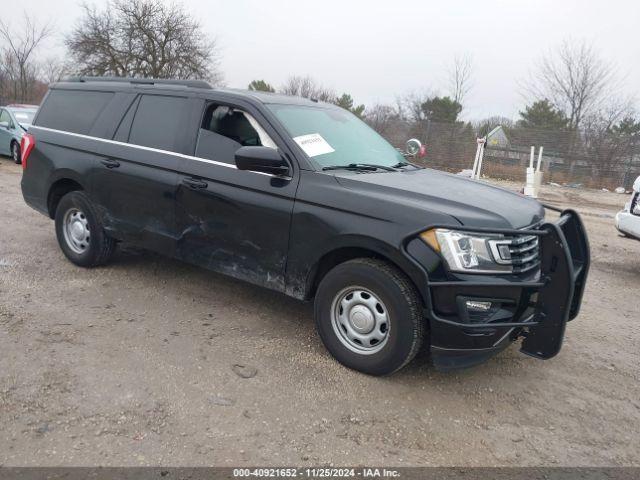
pixel 399 297
pixel 16 154
pixel 98 248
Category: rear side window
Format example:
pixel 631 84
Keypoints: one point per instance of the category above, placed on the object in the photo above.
pixel 72 110
pixel 159 122
pixel 122 133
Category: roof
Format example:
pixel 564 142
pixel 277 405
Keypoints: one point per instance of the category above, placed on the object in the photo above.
pixel 117 83
pixel 269 97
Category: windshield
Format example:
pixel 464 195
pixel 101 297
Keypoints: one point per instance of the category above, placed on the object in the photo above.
pixel 24 117
pixel 333 137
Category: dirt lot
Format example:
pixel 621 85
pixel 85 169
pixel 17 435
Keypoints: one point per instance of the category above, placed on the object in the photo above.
pixel 137 364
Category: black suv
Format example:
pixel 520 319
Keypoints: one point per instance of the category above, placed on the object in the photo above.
pixel 304 198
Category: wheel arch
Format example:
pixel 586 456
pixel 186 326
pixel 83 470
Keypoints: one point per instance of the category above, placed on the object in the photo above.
pixel 362 247
pixel 58 189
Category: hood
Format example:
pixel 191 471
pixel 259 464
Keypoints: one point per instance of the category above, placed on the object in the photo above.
pixel 472 203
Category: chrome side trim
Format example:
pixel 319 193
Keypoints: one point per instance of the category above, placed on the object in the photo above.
pixel 151 149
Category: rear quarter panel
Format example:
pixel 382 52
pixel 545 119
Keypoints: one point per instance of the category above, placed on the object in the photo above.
pixel 55 156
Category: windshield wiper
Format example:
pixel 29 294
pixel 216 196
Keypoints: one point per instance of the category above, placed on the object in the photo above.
pixel 360 166
pixel 405 164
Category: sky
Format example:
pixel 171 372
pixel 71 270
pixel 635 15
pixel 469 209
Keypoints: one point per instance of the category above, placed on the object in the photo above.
pixel 379 50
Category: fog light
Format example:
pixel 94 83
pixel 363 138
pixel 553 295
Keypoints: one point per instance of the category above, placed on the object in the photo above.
pixel 476 306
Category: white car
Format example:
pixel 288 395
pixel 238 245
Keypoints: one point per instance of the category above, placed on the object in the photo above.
pixel 628 219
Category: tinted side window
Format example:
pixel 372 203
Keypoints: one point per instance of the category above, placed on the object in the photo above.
pixel 159 122
pixel 72 110
pixel 122 133
pixel 224 130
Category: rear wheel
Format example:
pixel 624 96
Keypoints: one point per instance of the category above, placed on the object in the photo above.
pixel 80 233
pixel 369 316
pixel 15 152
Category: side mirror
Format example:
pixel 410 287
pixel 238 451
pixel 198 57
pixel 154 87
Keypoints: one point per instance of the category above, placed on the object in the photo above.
pixel 415 148
pixel 261 159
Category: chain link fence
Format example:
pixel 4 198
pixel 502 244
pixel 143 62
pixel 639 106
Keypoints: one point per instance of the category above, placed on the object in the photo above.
pixel 589 158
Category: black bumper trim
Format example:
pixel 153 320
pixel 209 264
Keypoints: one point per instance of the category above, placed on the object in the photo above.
pixel 446 359
pixel 565 260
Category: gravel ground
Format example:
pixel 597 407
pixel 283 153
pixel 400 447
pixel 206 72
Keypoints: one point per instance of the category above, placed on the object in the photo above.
pixel 150 361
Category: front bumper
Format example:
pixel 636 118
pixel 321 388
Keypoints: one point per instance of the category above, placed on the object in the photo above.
pixel 535 308
pixel 628 223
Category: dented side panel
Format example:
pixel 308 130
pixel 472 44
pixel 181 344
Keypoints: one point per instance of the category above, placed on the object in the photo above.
pixel 235 222
pixel 237 225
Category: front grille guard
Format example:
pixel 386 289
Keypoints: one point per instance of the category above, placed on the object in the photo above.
pixel 564 265
pixel 634 206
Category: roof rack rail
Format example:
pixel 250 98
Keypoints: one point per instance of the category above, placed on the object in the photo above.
pixel 143 81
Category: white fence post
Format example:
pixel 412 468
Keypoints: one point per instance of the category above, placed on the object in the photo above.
pixel 537 177
pixel 529 189
pixel 480 156
pixel 539 158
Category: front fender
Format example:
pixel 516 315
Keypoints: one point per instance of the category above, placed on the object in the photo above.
pixel 302 272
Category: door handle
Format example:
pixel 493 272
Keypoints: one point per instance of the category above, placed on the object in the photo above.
pixel 109 163
pixel 195 183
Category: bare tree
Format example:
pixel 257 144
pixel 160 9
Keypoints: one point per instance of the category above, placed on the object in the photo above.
pixel 382 118
pixel 53 69
pixel 18 54
pixel 459 77
pixel 574 78
pixel 410 106
pixel 143 38
pixel 307 87
pixel 8 77
pixel 605 147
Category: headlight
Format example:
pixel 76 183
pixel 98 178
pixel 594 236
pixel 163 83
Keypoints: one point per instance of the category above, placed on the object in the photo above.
pixel 470 252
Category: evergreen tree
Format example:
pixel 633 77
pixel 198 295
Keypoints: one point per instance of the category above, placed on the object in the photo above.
pixel 441 109
pixel 346 101
pixel 542 115
pixel 261 86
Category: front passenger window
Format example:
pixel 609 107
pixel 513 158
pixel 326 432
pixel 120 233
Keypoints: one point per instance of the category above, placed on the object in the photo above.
pixel 224 130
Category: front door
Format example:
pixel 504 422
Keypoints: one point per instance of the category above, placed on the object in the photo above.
pixel 5 132
pixel 232 221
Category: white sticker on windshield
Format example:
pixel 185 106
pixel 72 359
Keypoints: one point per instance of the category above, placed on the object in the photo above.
pixel 22 116
pixel 313 144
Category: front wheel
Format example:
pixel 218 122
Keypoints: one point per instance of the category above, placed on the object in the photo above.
pixel 369 316
pixel 15 152
pixel 80 233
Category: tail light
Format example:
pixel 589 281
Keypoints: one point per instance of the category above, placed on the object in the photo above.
pixel 26 145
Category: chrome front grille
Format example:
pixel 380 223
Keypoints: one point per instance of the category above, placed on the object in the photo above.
pixel 521 252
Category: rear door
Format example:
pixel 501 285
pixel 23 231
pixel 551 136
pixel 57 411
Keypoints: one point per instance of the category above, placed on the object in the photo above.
pixel 136 180
pixel 232 221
